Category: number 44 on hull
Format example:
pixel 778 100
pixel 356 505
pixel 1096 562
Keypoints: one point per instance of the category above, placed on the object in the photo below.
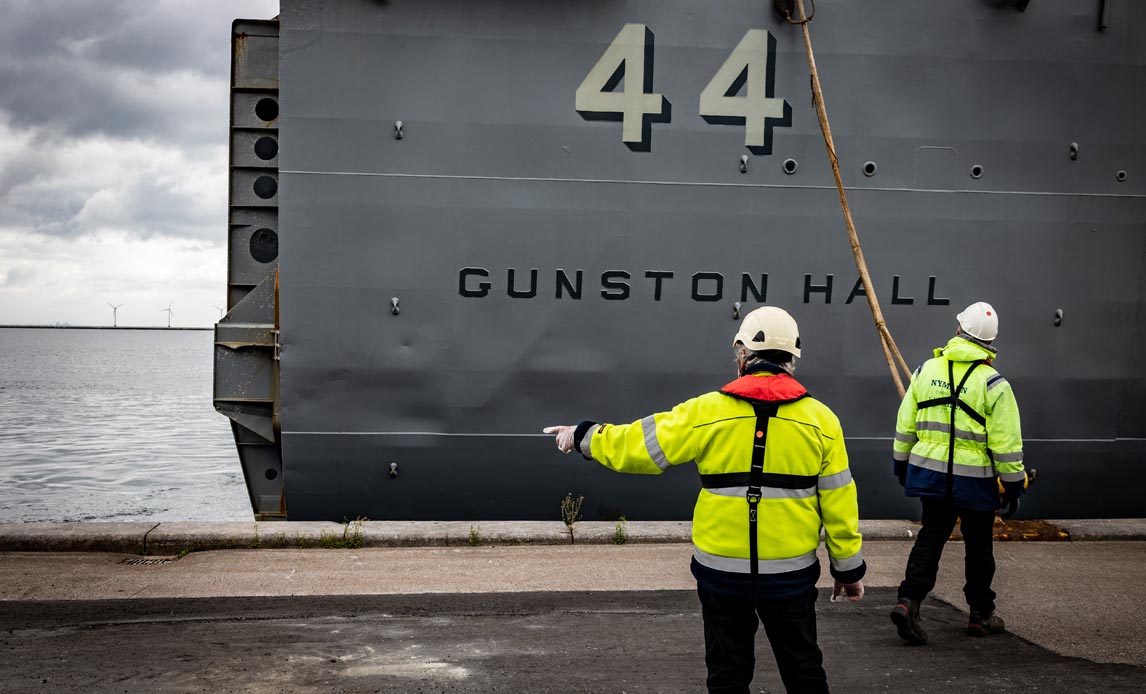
pixel 750 68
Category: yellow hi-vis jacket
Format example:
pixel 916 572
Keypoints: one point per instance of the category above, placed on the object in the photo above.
pixel 806 482
pixel 987 442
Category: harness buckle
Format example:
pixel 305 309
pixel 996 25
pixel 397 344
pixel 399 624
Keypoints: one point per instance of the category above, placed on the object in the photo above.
pixel 754 496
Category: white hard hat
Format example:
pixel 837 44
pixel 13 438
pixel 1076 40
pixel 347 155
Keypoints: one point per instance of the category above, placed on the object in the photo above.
pixel 980 321
pixel 769 327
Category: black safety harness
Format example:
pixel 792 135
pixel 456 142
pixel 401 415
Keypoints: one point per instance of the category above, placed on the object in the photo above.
pixel 756 478
pixel 755 482
pixel 954 402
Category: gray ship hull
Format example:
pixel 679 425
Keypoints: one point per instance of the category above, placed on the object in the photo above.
pixel 504 259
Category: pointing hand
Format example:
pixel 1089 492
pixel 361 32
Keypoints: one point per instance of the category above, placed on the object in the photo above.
pixel 564 436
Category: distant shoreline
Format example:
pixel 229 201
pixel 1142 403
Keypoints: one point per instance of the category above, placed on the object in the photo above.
pixel 95 327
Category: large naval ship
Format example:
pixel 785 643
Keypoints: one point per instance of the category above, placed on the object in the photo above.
pixel 453 222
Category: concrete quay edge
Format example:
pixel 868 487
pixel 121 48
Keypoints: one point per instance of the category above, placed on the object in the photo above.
pixel 166 538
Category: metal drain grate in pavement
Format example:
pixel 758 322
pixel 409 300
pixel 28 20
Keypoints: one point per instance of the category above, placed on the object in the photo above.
pixel 147 562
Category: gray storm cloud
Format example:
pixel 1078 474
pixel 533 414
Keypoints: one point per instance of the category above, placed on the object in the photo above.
pixel 113 158
pixel 113 115
pixel 98 67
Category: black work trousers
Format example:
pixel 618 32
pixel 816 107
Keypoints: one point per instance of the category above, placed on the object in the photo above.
pixel 730 622
pixel 939 516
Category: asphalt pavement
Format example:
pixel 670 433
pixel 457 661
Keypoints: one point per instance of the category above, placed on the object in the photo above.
pixel 637 641
pixel 523 619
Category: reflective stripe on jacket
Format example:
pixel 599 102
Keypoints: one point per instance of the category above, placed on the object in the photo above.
pixel 807 482
pixel 982 451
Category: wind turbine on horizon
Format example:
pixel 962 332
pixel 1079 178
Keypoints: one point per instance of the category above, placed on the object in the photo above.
pixel 220 312
pixel 114 313
pixel 169 312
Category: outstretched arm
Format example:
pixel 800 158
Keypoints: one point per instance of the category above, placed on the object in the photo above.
pixel 647 446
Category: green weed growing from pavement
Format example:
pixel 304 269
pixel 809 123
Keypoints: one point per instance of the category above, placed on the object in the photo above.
pixel 351 537
pixel 620 534
pixel 475 538
pixel 571 513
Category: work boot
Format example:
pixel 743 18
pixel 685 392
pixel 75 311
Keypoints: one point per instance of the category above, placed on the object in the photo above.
pixel 985 624
pixel 905 615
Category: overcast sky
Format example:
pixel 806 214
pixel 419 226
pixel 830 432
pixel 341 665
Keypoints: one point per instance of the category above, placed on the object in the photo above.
pixel 113 158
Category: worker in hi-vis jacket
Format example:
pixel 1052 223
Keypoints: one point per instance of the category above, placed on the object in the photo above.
pixel 957 441
pixel 773 471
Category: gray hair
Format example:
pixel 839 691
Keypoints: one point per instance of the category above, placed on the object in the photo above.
pixel 751 357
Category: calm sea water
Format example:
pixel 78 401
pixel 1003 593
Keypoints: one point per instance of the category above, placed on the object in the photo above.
pixel 113 425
